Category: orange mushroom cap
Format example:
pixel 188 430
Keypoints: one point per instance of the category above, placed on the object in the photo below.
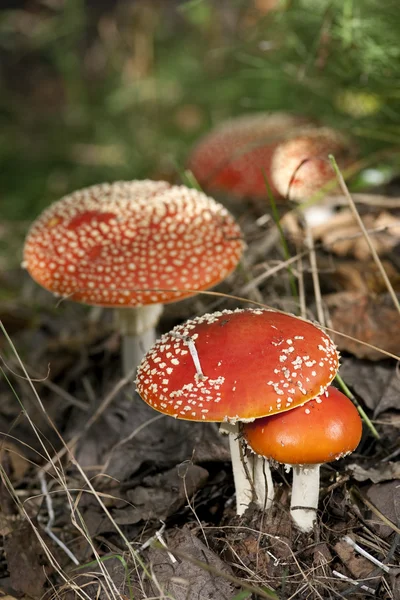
pixel 326 428
pixel 132 243
pixel 236 155
pixel 300 165
pixel 255 362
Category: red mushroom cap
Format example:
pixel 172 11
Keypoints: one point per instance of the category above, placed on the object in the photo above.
pixel 255 362
pixel 131 243
pixel 300 165
pixel 234 156
pixel 325 429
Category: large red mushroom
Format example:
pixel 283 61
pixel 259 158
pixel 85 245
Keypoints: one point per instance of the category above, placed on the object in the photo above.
pixel 237 366
pixel 132 245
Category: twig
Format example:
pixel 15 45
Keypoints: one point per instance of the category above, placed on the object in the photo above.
pixel 50 522
pixel 159 537
pixel 314 274
pixel 272 271
pixel 353 581
pixel 366 554
pixel 368 200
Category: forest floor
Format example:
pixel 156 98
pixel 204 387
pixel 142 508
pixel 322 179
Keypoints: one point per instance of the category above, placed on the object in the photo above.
pixel 84 461
pixel 101 497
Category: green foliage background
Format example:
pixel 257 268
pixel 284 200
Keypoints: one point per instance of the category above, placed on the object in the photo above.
pixel 90 95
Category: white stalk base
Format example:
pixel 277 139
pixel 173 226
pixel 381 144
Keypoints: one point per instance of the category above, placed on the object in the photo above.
pixel 262 482
pixel 318 214
pixel 137 327
pixel 305 494
pixel 240 467
pixel 251 473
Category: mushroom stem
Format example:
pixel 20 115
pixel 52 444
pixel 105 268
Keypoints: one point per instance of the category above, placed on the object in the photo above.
pixel 305 494
pixel 317 214
pixel 262 482
pixel 241 467
pixel 137 327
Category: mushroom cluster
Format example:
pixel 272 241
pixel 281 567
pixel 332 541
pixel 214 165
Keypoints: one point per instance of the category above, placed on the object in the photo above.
pixel 236 367
pixel 235 156
pixel 290 151
pixel 133 245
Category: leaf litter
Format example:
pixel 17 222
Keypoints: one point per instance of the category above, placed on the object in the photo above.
pixel 149 470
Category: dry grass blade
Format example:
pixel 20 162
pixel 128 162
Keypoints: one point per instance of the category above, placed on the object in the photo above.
pixel 100 410
pixel 76 518
pixel 375 200
pixel 51 386
pixel 371 247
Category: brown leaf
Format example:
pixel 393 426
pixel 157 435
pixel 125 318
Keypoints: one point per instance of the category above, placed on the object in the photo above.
pixel 162 495
pixel 385 471
pixel 386 498
pixel 164 442
pixel 342 234
pixel 17 465
pixel 369 319
pixel 358 566
pixel 377 384
pixel 365 277
pixel 183 579
pixel 26 562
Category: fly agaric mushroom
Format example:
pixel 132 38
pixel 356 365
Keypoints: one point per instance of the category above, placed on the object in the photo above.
pixel 300 167
pixel 236 155
pixel 325 429
pixel 237 366
pixel 132 245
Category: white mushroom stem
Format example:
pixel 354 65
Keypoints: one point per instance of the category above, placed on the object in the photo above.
pixel 251 473
pixel 318 214
pixel 240 467
pixel 305 494
pixel 137 326
pixel 262 482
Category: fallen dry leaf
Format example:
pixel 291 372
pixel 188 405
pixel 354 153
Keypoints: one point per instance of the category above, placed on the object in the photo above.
pixel 17 465
pixel 390 397
pixel 342 235
pixel 26 561
pixel 164 442
pixel 162 495
pixel 385 472
pixel 352 275
pixel 376 384
pixel 183 579
pixel 386 498
pixel 367 318
pixel 358 566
